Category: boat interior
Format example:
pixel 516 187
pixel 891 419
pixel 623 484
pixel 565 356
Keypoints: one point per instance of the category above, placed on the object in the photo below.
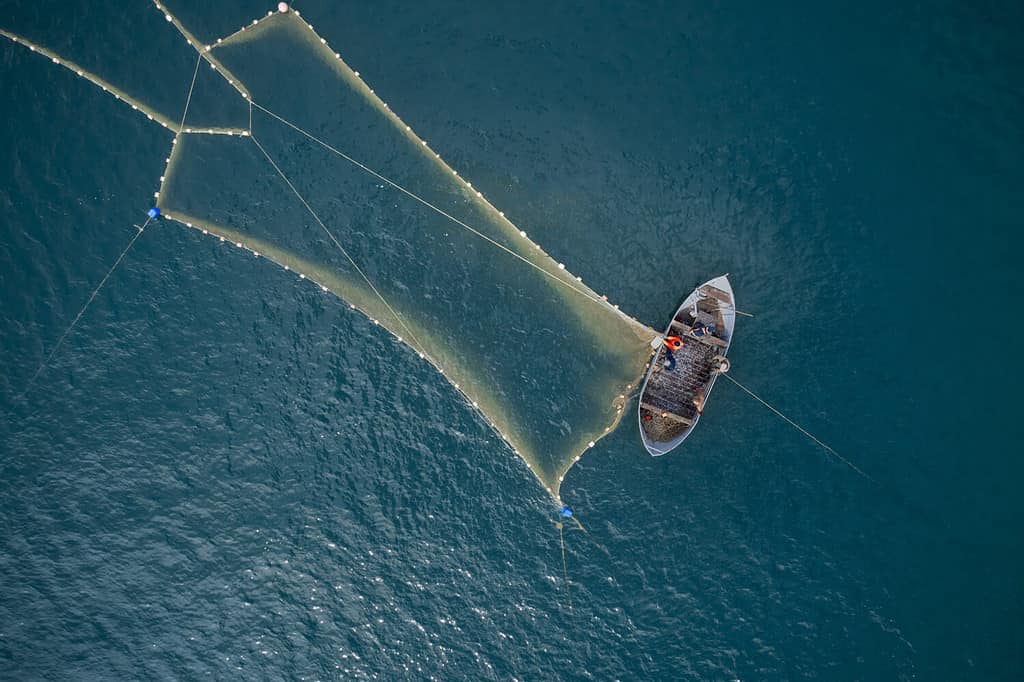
pixel 669 404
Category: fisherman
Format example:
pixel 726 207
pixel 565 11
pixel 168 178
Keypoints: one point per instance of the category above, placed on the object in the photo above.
pixel 671 343
pixel 700 329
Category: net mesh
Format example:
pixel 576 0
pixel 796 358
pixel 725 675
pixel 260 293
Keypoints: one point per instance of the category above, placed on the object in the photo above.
pixel 312 171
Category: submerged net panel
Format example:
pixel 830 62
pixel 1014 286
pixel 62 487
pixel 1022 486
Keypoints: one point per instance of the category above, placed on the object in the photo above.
pixel 214 103
pixel 543 357
pixel 160 73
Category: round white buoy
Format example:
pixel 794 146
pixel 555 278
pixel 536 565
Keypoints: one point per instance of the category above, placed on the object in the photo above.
pixel 282 7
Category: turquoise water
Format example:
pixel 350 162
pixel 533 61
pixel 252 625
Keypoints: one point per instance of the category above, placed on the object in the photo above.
pixel 224 473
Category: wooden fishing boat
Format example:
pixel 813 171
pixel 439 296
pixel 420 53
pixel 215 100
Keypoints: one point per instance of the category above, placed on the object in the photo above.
pixel 672 400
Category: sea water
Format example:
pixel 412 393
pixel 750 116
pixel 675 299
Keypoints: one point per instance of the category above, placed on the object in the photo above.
pixel 225 472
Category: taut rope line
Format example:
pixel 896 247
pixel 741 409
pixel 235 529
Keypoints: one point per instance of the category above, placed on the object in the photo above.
pixel 401 321
pixel 188 100
pixel 81 312
pixel 434 208
pixel 565 566
pixel 799 428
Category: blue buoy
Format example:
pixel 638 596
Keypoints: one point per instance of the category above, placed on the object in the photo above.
pixel 153 212
pixel 566 513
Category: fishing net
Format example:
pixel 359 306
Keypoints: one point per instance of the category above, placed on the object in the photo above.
pixel 285 151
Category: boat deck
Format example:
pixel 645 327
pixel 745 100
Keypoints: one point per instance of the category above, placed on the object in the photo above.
pixel 668 407
pixel 669 397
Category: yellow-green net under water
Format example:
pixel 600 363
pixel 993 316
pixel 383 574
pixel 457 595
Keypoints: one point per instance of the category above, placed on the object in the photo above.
pixel 332 185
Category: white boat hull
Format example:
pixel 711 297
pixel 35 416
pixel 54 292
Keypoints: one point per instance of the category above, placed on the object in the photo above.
pixel 671 401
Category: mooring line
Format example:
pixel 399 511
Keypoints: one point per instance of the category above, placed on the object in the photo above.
pixel 799 428
pixel 738 312
pixel 418 346
pixel 81 312
pixel 565 566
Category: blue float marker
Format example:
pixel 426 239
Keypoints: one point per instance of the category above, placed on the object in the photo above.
pixel 566 513
pixel 153 212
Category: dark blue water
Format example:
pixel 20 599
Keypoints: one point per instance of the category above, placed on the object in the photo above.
pixel 224 474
